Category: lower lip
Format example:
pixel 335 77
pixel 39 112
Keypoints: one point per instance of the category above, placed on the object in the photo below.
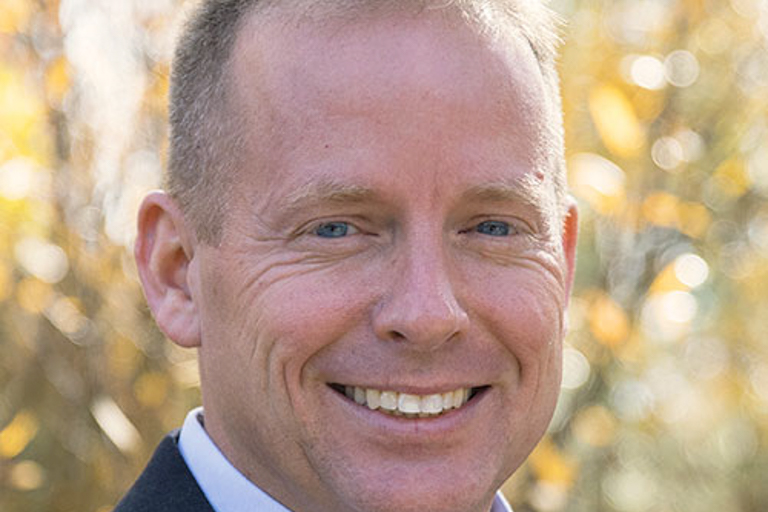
pixel 418 429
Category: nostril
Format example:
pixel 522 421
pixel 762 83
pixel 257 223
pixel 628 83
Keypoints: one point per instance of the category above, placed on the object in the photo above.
pixel 421 309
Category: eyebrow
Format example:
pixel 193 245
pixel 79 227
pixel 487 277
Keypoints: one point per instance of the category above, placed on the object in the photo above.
pixel 527 190
pixel 323 192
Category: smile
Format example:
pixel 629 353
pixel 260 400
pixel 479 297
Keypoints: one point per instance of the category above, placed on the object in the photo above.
pixel 408 405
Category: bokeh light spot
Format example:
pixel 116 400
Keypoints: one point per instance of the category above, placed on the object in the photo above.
pixel 692 144
pixel 667 153
pixel 595 426
pixel 707 358
pixel 632 400
pixel 608 321
pixel 691 270
pixel 15 436
pixel 65 315
pixel 714 36
pixel 115 424
pixel 647 72
pixel 598 181
pixel 27 476
pixel 679 307
pixel 17 179
pixel 630 490
pixel 44 260
pixel 576 369
pixel 681 68
pixel 666 317
pixel 616 120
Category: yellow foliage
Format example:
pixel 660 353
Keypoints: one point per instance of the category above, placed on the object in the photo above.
pixel 667 281
pixel 661 208
pixel 15 15
pixel 152 389
pixel 57 80
pixel 595 426
pixel 157 94
pixel 6 284
pixel 731 178
pixel 667 210
pixel 633 350
pixel 695 219
pixel 608 321
pixel 675 369
pixel 21 109
pixel 6 146
pixel 34 295
pixel 123 357
pixel 17 435
pixel 551 466
pixel 616 121
pixel 648 104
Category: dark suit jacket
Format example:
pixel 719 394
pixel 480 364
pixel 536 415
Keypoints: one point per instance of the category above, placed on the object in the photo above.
pixel 166 485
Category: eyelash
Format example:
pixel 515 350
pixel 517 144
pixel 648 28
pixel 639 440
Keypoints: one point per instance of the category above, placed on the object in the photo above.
pixel 348 229
pixel 495 225
pixel 511 228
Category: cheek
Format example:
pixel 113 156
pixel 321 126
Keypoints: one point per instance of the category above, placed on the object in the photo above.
pixel 526 313
pixel 524 309
pixel 300 317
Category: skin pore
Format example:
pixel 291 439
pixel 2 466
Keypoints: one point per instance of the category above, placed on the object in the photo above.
pixel 395 228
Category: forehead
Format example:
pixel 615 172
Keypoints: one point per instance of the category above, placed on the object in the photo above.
pixel 448 88
pixel 281 61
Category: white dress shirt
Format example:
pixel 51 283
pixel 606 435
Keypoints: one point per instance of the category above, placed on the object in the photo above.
pixel 224 486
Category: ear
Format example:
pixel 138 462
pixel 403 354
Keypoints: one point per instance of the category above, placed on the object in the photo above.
pixel 164 251
pixel 570 237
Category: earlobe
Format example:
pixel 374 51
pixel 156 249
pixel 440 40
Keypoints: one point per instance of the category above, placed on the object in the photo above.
pixel 570 238
pixel 164 252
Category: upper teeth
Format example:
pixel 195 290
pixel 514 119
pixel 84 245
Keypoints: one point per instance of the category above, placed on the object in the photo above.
pixel 406 404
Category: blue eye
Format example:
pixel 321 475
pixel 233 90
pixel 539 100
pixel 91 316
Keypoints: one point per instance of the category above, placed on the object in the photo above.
pixel 493 228
pixel 333 230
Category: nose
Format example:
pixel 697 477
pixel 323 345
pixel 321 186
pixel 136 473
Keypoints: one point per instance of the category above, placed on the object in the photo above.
pixel 420 307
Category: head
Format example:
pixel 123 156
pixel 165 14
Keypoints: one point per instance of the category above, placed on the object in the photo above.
pixel 369 215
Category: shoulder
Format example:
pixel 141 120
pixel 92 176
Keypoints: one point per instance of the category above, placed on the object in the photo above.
pixel 166 485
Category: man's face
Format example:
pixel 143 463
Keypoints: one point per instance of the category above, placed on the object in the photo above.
pixel 392 235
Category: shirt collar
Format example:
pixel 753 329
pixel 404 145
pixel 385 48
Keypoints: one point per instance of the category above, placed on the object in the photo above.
pixel 224 486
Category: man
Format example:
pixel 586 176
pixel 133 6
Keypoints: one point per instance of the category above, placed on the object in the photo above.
pixel 367 237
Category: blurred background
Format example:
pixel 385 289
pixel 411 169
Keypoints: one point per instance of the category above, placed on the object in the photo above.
pixel 665 394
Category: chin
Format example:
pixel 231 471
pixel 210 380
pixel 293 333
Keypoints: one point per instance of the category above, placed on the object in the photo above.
pixel 421 490
pixel 402 501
